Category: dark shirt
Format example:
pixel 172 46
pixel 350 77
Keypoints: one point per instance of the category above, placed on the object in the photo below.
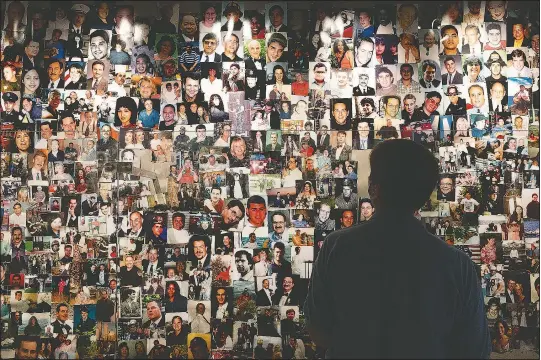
pixel 180 304
pixel 412 294
pixel 532 210
pixel 85 326
pixel 281 271
pixel 345 126
pixel 131 277
pixel 179 339
pixel 457 109
pixel 420 115
pixel 104 310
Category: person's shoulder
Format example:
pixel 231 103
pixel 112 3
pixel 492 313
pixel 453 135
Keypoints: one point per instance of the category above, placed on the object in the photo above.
pixel 353 232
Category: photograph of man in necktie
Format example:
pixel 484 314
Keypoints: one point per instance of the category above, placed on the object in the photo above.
pixel 276 18
pixel 430 74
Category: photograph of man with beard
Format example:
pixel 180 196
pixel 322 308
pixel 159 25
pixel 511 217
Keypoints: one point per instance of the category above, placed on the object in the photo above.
pixel 199 246
pixel 286 293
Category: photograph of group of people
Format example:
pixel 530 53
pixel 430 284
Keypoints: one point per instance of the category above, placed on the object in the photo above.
pixel 170 170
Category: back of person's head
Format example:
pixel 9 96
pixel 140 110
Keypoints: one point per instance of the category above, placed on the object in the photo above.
pixel 413 164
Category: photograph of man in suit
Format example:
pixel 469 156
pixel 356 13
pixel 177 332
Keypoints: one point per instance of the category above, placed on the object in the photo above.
pixel 446 188
pixel 429 74
pixel 473 44
pixel 90 206
pixel 287 295
pixel 210 43
pixel 273 145
pixel 264 296
pixel 32 59
pixel 199 247
pixel 276 19
pixel 155 318
pixel 59 325
pixel 73 213
pixel 136 226
pixel 452 76
pixel 38 170
pixel 106 143
pixel 498 97
pixel 323 138
pixel 254 60
pixel 510 292
pixel 363 89
pixel 154 264
pixel 364 138
pixel 341 151
pixel 98 81
pixel 55 69
pixel 102 276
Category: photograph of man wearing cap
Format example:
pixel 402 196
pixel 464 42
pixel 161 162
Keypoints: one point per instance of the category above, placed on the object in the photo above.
pixel 158 234
pixel 495 64
pixel 77 31
pixel 479 125
pixel 86 324
pixel 457 105
pixel 347 199
pixel 10 115
pixel 254 84
pixel 233 17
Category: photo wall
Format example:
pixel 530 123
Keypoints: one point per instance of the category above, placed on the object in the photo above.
pixel 169 170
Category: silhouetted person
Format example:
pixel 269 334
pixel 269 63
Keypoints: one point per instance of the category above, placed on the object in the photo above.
pixel 417 283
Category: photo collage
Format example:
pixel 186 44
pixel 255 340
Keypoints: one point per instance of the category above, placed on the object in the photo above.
pixel 170 170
